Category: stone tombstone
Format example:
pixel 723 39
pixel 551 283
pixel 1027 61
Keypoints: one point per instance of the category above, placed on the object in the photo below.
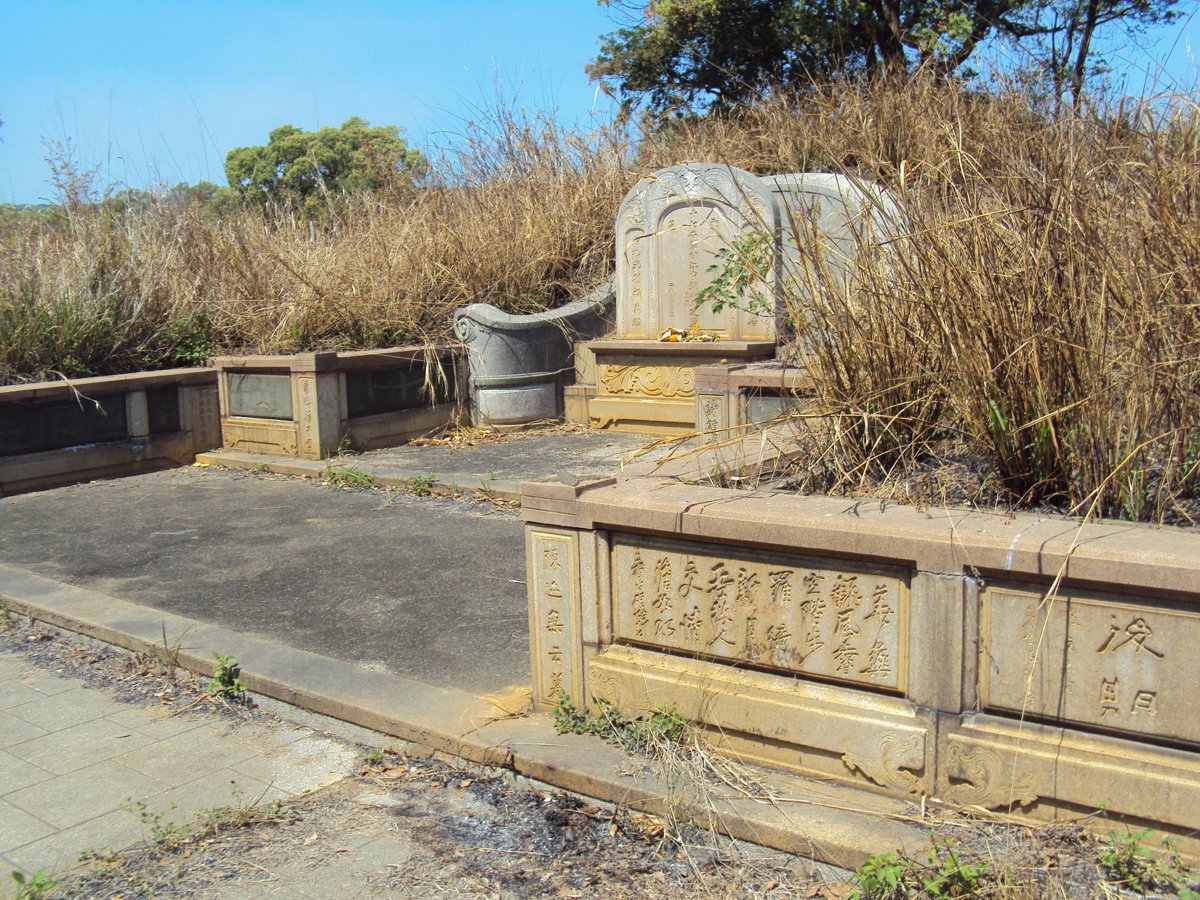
pixel 844 212
pixel 670 229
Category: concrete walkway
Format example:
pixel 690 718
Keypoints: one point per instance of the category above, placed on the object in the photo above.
pixel 81 771
pixel 405 615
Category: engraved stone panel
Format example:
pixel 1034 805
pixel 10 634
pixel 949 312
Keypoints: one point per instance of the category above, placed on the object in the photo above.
pixel 554 615
pixel 671 229
pixel 1115 664
pixel 822 618
pixel 309 425
pixel 260 395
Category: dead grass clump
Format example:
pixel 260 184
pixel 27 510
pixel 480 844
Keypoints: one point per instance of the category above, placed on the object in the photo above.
pixel 519 216
pixel 1035 299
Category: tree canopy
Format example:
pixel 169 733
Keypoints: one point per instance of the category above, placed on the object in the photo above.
pixel 689 54
pixel 308 170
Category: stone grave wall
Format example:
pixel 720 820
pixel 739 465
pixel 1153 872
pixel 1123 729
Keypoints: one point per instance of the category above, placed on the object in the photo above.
pixel 306 404
pixel 54 433
pixel 1020 663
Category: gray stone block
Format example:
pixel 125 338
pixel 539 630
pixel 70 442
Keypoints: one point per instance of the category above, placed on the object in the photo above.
pixel 520 363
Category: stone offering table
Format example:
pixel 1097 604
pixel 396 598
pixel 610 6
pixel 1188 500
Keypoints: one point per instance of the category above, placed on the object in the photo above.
pixel 307 404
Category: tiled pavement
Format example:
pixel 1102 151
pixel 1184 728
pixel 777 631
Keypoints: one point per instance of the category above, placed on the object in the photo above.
pixel 76 763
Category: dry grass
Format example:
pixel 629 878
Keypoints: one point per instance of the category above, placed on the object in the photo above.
pixel 520 217
pixel 1032 318
pixel 1036 323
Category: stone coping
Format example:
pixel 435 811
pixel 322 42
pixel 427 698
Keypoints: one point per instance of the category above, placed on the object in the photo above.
pixel 327 361
pixel 758 375
pixel 716 349
pixel 935 540
pixel 105 384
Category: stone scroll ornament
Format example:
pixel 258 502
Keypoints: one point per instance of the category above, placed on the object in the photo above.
pixel 896 754
pixel 667 382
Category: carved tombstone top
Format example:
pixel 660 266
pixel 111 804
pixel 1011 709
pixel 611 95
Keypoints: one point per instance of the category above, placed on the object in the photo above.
pixel 670 230
pixel 842 211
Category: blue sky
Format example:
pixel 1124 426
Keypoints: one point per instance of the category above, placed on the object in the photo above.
pixel 159 92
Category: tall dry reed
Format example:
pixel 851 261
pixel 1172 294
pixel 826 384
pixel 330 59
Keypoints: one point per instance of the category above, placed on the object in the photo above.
pixel 1038 302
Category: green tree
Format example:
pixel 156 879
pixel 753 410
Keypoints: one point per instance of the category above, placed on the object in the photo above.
pixel 696 54
pixel 1061 34
pixel 312 170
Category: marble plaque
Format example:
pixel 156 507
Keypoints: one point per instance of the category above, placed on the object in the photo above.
pixel 1115 664
pixel 822 618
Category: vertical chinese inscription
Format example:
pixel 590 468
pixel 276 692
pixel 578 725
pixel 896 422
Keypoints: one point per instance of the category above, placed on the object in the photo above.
pixel 1092 661
pixel 553 615
pixel 308 417
pixel 806 616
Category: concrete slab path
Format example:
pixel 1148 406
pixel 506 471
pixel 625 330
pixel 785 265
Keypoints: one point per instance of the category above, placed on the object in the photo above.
pixel 81 771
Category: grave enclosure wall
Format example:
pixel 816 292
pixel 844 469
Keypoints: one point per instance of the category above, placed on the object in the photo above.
pixel 55 433
pixel 307 404
pixel 914 652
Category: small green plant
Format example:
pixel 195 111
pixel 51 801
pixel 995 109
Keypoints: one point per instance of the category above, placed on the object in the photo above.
pixel 741 272
pixel 35 886
pixel 262 467
pixel 162 833
pixel 881 877
pixel 422 485
pixel 164 655
pixel 226 678
pixel 1130 864
pixel 5 617
pixel 952 876
pixel 943 873
pixel 664 724
pixel 349 478
pixel 345 446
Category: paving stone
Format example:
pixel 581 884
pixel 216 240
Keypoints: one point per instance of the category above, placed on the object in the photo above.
pixel 302 765
pixel 73 748
pixel 85 793
pixel 16 773
pixel 158 722
pixel 111 831
pixel 213 790
pixel 16 693
pixel 181 758
pixel 14 730
pixel 18 827
pixel 69 708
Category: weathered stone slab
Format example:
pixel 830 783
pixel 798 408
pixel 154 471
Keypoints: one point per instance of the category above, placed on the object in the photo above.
pixel 1093 660
pixel 260 395
pixel 818 618
pixel 671 228
pixel 845 214
pixel 552 561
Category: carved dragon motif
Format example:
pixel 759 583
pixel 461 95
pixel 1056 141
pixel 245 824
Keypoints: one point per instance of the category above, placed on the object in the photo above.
pixel 989 781
pixel 890 769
